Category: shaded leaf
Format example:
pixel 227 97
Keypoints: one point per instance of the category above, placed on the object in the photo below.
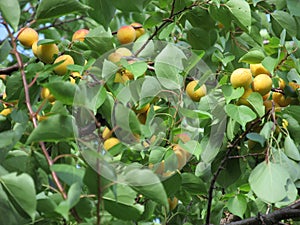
pixel 55 8
pixel 10 10
pixel 21 189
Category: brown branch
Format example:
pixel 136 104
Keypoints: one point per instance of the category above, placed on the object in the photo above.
pixel 271 218
pixel 10 69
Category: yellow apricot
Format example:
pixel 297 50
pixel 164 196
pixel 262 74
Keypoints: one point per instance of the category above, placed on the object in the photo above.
pixel 124 51
pixel 34 48
pixel 46 94
pixel 269 104
pixel 294 85
pixel 197 94
pixel 126 34
pixel 6 112
pixel 47 52
pixel 281 100
pixel 241 77
pixel 110 142
pixel 257 69
pixel 61 69
pixel 106 133
pixel 114 57
pixel 262 84
pixel 119 78
pixel 143 109
pixel 181 156
pixel 139 31
pixel 27 36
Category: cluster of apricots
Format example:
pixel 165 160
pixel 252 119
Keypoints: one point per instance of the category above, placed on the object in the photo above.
pixel 258 79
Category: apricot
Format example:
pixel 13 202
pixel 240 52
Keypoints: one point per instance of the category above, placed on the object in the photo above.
pixel 257 69
pixel 126 34
pixel 181 156
pixel 241 77
pixel 172 203
pixel 138 31
pixel 262 84
pixel 110 142
pixel 79 35
pixel 47 52
pixel 281 100
pixel 269 104
pixel 27 36
pixel 61 69
pixel 6 112
pixel 46 94
pixel 106 133
pixel 124 51
pixel 197 94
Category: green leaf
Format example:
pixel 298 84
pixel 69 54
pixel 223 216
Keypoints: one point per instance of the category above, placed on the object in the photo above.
pixel 256 101
pixel 10 10
pixel 269 63
pixel 237 205
pixel 194 113
pixel 21 189
pixel 268 181
pixel 241 12
pixel 242 114
pixel 193 184
pixel 220 14
pixel 102 11
pixel 55 128
pixel 137 68
pixel 134 6
pixel 257 138
pixel 99 40
pixel 166 31
pixel 230 174
pixel 148 184
pixel 122 205
pixel 55 8
pixel 63 91
pixel 201 39
pixel 9 138
pixel 73 198
pixel 168 65
pixel 231 93
pixel 285 21
pixel 68 173
pixel 291 149
pixel 254 56
pixel 5 49
pixel 171 184
pixel 293 6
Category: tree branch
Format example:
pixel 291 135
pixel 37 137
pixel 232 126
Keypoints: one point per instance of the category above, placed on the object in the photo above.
pixel 271 218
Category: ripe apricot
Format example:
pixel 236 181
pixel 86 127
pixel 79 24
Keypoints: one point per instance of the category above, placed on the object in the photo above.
pixel 197 94
pixel 172 203
pixel 47 52
pixel 46 94
pixel 79 35
pixel 262 84
pixel 61 69
pixel 241 77
pixel 126 34
pixel 27 36
pixel 257 69
pixel 110 142
pixel 138 31
pixel 281 100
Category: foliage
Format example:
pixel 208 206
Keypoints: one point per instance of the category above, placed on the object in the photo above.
pixel 226 157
